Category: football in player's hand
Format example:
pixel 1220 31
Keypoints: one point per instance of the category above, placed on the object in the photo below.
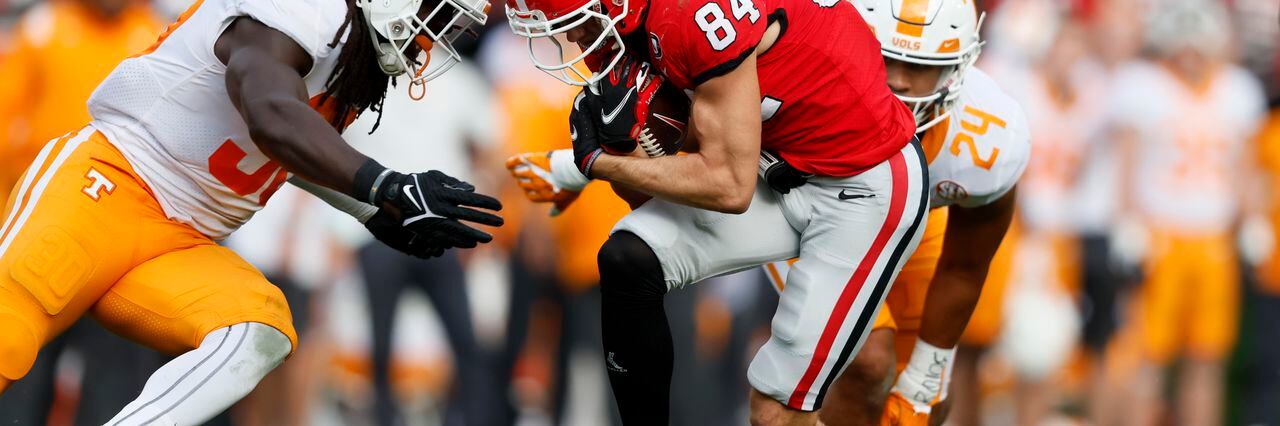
pixel 666 127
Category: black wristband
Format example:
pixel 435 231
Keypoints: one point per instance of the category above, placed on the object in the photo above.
pixel 367 181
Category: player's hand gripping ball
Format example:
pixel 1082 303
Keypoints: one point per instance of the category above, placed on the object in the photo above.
pixel 630 108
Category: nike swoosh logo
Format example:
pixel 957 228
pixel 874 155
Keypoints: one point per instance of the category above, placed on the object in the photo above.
pixel 608 118
pixel 408 193
pixel 843 196
pixel 573 133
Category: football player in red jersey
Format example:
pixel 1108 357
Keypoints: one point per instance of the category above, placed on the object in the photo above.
pixel 845 187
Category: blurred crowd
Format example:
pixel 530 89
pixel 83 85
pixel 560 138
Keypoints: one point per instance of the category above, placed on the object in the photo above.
pixel 1139 285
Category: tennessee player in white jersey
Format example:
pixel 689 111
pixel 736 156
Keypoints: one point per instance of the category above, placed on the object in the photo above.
pixel 120 219
pixel 1185 121
pixel 976 140
pixel 1065 197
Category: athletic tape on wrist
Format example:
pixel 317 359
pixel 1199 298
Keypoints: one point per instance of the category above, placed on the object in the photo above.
pixel 565 173
pixel 928 373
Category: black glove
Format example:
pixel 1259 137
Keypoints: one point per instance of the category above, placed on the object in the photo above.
pixel 622 99
pixel 582 130
pixel 779 175
pixel 387 229
pixel 431 204
pixel 616 107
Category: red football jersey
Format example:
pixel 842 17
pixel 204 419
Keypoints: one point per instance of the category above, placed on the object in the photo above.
pixel 826 107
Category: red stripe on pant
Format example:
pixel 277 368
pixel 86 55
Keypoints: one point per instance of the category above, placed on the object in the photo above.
pixel 897 203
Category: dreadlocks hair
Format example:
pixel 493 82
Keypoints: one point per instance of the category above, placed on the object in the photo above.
pixel 357 83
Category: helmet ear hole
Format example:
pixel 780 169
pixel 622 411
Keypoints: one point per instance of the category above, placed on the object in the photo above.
pixel 402 30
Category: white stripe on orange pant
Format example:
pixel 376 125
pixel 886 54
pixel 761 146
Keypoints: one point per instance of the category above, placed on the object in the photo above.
pixel 11 230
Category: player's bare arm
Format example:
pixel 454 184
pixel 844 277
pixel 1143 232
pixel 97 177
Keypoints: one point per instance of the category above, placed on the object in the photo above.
pixel 973 235
pixel 721 176
pixel 264 80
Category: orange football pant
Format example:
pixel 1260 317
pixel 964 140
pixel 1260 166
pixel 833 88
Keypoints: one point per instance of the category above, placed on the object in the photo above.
pixel 83 233
pixel 1191 298
pixel 904 307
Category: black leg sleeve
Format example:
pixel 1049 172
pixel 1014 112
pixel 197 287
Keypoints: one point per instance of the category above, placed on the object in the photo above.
pixel 637 339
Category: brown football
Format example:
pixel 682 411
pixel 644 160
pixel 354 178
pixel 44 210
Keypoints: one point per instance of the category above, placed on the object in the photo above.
pixel 666 128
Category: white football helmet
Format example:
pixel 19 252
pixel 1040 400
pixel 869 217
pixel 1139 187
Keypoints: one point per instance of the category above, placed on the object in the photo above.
pixel 400 26
pixel 941 33
pixel 1188 24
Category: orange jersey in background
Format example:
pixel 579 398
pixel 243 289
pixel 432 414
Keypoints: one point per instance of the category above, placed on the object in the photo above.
pixel 1269 158
pixel 537 113
pixel 56 56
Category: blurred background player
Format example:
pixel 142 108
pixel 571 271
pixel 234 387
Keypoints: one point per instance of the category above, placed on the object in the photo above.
pixel 1260 397
pixel 56 56
pixel 464 135
pixel 975 139
pixel 559 294
pixel 1186 122
pixel 1060 250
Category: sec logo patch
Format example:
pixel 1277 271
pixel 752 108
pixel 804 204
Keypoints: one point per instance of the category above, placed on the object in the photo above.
pixel 950 190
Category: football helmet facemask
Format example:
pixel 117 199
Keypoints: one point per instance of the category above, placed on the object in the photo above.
pixel 397 25
pixel 942 33
pixel 549 20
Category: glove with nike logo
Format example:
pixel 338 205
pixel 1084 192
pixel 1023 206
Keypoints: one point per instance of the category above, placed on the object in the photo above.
pixel 617 108
pixel 386 228
pixel 430 205
pixel 582 130
pixel 548 177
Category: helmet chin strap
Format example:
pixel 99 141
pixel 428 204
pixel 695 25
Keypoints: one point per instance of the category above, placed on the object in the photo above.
pixel 426 45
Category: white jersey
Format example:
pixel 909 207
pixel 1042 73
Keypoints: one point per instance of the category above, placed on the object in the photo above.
pixel 1069 184
pixel 168 111
pixel 977 154
pixel 1189 143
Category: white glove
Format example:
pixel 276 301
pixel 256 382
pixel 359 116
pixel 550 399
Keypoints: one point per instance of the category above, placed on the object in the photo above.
pixel 1130 241
pixel 548 177
pixel 1256 239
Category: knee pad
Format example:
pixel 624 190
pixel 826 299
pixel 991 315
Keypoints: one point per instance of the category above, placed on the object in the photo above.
pixel 18 345
pixel 273 345
pixel 629 270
